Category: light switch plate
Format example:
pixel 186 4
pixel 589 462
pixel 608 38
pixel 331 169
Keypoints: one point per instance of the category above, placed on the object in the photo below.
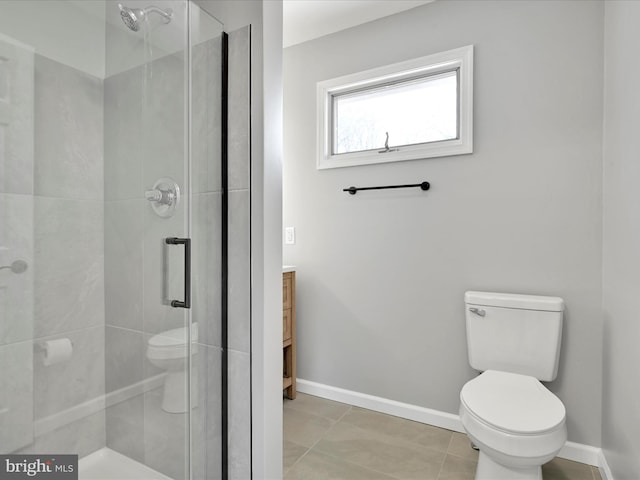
pixel 290 236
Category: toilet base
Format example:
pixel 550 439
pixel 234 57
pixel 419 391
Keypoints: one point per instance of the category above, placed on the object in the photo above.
pixel 174 396
pixel 489 469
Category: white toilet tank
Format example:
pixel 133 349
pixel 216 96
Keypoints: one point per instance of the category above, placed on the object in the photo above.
pixel 514 333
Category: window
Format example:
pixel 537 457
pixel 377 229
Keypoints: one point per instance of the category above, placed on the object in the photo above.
pixel 416 109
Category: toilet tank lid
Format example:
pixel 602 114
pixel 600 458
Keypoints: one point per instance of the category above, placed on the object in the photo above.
pixel 512 300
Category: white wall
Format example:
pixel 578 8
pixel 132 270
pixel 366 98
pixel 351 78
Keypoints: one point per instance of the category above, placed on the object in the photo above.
pixel 381 275
pixel 267 323
pixel 621 258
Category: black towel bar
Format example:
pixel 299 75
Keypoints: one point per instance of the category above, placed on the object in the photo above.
pixel 353 190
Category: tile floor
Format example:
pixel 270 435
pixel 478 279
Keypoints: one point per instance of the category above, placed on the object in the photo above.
pixel 330 440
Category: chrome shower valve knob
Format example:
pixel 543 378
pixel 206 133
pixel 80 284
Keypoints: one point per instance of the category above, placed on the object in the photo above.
pixel 153 195
pixel 164 197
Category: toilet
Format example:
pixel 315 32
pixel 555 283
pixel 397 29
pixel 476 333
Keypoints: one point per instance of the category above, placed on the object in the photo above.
pixel 168 351
pixel 514 420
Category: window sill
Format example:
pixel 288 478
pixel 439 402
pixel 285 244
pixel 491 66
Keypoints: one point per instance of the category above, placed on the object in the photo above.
pixel 432 150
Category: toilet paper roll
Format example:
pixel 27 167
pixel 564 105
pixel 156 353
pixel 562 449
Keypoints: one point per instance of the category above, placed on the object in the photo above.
pixel 56 351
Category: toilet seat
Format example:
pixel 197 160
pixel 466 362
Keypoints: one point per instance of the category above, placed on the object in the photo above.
pixel 515 421
pixel 512 403
pixel 172 344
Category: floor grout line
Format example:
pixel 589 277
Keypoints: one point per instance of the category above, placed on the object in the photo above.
pixel 345 413
pixel 342 459
pixel 340 419
pixel 297 461
pixel 461 457
pixel 331 427
pixel 444 459
pixel 321 436
pixel 357 464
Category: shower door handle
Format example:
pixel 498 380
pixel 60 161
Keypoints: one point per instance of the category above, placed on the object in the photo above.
pixel 187 271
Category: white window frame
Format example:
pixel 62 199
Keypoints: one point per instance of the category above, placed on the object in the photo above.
pixel 460 59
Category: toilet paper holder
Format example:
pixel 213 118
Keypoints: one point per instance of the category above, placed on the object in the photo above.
pixel 40 347
pixel 55 351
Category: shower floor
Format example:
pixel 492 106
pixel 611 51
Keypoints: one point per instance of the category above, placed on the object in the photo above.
pixel 105 464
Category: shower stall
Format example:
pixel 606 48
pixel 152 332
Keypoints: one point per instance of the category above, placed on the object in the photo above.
pixel 124 238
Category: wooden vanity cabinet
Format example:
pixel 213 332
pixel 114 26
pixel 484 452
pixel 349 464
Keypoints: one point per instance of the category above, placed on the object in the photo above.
pixel 289 334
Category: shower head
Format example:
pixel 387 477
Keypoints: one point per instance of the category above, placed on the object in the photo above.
pixel 133 17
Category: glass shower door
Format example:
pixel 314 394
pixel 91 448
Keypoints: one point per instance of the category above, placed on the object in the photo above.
pixel 147 200
pixel 162 151
pixel 207 230
pixel 110 140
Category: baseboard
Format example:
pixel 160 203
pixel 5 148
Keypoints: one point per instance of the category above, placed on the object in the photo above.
pixel 383 405
pixel 605 471
pixel 571 451
pixel 579 452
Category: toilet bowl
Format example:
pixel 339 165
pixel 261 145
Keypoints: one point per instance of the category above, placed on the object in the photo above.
pixel 517 424
pixel 168 351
